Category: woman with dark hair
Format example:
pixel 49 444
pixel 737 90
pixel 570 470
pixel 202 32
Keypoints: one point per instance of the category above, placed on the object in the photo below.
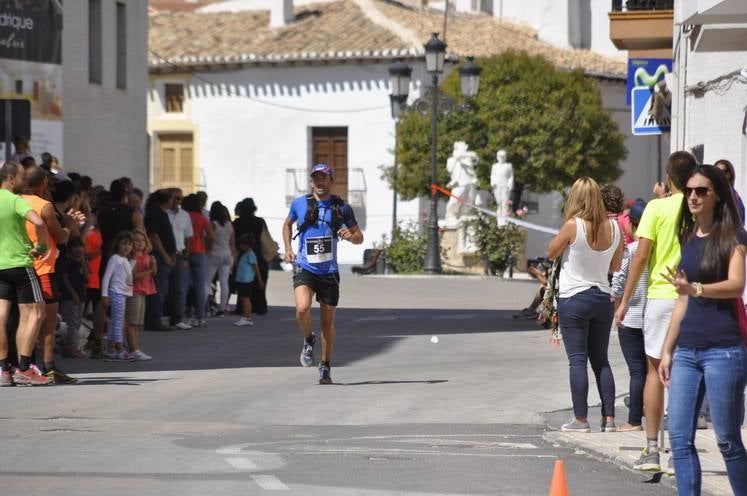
pixel 201 240
pixel 247 222
pixel 222 253
pixel 710 359
pixel 727 168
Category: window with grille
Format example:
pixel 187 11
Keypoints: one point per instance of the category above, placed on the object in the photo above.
pixel 174 97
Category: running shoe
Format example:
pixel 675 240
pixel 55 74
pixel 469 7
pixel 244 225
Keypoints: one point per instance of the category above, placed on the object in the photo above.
pixel 197 323
pixel 182 326
pixel 648 462
pixel 243 321
pixel 59 377
pixel 307 353
pixel 670 467
pixel 324 374
pixel 139 356
pixel 30 377
pixel 6 378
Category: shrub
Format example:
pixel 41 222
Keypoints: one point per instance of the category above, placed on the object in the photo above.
pixel 496 244
pixel 406 252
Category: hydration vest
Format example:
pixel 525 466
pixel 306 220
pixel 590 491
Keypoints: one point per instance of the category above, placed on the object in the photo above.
pixel 312 214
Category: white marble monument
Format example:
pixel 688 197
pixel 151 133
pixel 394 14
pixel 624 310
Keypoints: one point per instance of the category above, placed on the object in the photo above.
pixel 502 184
pixel 463 183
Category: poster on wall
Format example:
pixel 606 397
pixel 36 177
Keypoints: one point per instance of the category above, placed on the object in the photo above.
pixel 31 67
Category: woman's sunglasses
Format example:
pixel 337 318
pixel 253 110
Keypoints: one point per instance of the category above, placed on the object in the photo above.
pixel 700 191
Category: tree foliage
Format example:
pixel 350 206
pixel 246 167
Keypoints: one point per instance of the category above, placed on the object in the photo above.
pixel 550 122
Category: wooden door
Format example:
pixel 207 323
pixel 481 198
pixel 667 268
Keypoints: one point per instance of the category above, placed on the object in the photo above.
pixel 330 146
pixel 176 162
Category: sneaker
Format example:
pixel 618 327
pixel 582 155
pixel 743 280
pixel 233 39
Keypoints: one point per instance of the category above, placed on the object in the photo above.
pixel 197 323
pixel 307 353
pixel 183 326
pixel 702 422
pixel 648 462
pixel 670 467
pixel 220 313
pixel 73 353
pixel 525 313
pixel 139 356
pixel 324 374
pixel 59 377
pixel 121 356
pixel 608 426
pixel 30 377
pixel 574 425
pixel 243 321
pixel 6 379
pixel 109 355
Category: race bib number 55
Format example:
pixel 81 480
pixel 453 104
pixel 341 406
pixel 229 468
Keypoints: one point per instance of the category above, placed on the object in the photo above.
pixel 319 250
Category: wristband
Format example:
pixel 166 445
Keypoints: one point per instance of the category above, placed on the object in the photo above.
pixel 41 248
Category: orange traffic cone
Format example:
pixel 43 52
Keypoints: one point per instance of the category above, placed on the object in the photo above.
pixel 559 485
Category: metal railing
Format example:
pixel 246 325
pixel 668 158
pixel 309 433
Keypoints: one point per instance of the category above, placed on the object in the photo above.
pixel 634 5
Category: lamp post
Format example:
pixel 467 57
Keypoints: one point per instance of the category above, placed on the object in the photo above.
pixel 399 79
pixel 435 54
pixel 469 84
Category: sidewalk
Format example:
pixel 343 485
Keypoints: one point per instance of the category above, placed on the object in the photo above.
pixel 623 448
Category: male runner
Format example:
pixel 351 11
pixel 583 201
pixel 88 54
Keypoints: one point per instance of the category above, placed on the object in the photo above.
pixel 322 219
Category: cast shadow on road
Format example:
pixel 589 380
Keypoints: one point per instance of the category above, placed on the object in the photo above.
pixel 275 341
pixel 376 383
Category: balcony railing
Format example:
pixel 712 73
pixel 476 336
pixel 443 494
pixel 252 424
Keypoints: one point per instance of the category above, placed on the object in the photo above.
pixel 633 5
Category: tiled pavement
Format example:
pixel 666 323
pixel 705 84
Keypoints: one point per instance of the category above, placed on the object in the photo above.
pixel 624 448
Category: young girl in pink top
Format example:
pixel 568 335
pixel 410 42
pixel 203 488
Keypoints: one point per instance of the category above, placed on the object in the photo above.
pixel 143 285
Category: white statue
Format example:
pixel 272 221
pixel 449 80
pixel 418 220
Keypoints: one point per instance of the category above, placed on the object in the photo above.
pixel 502 184
pixel 463 183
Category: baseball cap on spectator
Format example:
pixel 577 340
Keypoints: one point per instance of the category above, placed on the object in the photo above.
pixel 323 168
pixel 636 211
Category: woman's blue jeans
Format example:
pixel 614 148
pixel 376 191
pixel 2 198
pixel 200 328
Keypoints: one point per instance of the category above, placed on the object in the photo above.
pixel 719 373
pixel 631 343
pixel 585 323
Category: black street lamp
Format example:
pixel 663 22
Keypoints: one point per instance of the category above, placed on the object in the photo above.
pixel 435 54
pixel 469 84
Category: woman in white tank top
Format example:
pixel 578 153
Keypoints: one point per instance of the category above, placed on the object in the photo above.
pixel 591 248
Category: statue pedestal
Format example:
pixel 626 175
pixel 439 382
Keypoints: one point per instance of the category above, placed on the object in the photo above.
pixel 459 250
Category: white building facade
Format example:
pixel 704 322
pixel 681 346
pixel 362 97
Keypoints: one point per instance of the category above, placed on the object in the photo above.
pixel 709 107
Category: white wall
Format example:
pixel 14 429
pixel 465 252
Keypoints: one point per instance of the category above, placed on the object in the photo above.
pixel 556 19
pixel 253 124
pixel 715 119
pixel 105 127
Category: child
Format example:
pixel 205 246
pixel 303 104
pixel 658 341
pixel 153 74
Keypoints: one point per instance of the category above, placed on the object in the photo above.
pixel 116 286
pixel 631 332
pixel 248 279
pixel 93 290
pixel 74 273
pixel 143 285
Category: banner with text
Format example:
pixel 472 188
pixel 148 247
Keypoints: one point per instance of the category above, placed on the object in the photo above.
pixel 31 66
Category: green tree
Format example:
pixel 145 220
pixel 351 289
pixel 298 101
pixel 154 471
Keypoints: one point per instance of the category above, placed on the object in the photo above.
pixel 550 122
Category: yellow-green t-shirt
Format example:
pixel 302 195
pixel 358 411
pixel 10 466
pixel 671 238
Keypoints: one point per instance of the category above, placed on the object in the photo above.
pixel 14 242
pixel 659 224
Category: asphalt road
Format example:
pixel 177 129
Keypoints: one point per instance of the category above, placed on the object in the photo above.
pixel 226 411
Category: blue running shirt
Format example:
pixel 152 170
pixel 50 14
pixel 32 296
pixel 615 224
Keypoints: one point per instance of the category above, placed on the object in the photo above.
pixel 317 244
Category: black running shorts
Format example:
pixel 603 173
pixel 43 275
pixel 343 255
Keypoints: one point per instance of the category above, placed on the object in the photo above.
pixel 21 284
pixel 327 287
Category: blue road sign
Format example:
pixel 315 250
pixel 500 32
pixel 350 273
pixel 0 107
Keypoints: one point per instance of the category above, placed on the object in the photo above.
pixel 643 121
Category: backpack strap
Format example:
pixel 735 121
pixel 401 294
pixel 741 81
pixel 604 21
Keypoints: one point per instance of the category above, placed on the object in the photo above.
pixel 310 217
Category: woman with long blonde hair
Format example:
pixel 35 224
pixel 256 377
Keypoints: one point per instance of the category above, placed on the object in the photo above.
pixel 591 248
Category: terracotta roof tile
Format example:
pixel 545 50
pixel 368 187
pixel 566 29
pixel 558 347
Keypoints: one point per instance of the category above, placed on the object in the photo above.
pixel 341 30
